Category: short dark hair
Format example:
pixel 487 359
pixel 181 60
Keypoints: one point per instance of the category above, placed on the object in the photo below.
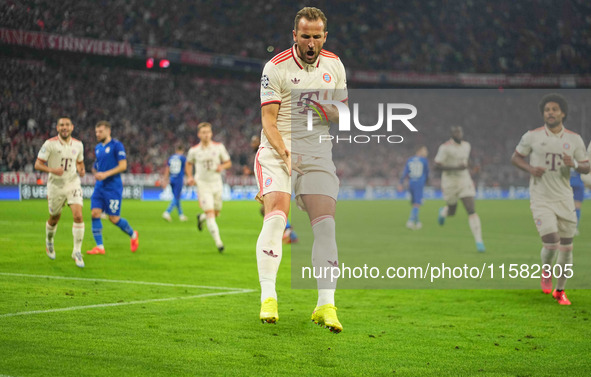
pixel 555 97
pixel 179 147
pixel 63 117
pixel 311 14
pixel 103 123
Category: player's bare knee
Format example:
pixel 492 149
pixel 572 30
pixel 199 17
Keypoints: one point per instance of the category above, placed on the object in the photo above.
pixel 470 205
pixel 114 219
pixel 95 213
pixel 276 201
pixel 551 238
pixel 54 219
pixel 451 209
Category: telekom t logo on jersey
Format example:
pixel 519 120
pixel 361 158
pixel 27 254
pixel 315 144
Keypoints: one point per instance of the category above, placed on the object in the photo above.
pixel 318 107
pixel 551 159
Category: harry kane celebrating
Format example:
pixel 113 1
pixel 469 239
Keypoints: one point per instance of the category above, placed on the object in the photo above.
pixel 292 81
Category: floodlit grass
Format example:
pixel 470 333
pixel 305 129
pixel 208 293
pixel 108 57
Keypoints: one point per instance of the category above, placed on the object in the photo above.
pixel 192 314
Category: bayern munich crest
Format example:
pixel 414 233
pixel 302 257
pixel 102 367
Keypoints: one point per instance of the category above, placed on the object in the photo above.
pixel 326 77
pixel 566 146
pixel 265 81
pixel 268 182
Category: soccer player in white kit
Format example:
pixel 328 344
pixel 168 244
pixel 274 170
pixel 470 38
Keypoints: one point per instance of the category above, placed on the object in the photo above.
pixel 63 158
pixel 316 74
pixel 209 159
pixel 452 159
pixel 553 151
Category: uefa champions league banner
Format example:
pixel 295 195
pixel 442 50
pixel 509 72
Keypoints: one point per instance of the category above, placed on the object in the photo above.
pixel 27 192
pixel 248 192
pixel 240 192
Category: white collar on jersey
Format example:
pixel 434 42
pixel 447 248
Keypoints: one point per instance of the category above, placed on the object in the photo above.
pixel 550 133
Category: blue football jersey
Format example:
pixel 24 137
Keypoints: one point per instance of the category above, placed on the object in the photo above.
pixel 575 179
pixel 417 170
pixel 176 169
pixel 107 158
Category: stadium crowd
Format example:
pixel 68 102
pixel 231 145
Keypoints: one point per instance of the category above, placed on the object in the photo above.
pixel 479 36
pixel 152 112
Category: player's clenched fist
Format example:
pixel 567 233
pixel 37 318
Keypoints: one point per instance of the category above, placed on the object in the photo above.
pixel 537 171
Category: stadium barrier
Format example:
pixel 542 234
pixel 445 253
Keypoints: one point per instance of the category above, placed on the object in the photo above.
pixel 25 191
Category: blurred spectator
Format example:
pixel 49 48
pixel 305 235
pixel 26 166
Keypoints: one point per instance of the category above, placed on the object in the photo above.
pixel 480 36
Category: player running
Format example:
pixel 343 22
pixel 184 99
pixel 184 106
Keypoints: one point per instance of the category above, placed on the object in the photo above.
pixel 452 159
pixel 553 151
pixel 417 171
pixel 209 159
pixel 63 158
pixel 111 161
pixel 175 169
pixel 318 74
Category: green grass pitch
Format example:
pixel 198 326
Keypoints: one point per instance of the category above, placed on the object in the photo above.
pixel 179 308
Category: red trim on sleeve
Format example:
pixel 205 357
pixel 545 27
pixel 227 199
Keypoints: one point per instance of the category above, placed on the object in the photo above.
pixel 345 100
pixel 270 102
pixel 282 60
pixel 281 55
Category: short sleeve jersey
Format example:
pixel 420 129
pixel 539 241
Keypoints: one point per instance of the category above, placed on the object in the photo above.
pixel 58 153
pixel 108 157
pixel 545 149
pixel 453 154
pixel 176 169
pixel 417 170
pixel 297 87
pixel 206 160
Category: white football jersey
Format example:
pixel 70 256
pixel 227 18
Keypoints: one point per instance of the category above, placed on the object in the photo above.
pixel 206 160
pixel 545 149
pixel 453 154
pixel 55 152
pixel 286 76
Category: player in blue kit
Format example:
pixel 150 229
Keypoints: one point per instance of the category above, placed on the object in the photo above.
pixel 417 171
pixel 175 169
pixel 111 161
pixel 578 194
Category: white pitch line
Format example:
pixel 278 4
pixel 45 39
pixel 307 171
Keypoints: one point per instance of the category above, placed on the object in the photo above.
pixel 123 303
pixel 122 281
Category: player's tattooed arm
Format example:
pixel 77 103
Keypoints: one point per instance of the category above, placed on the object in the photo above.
pixel 269 114
pixel 80 168
pixel 164 181
pixel 580 167
pixel 224 166
pixel 519 161
pixel 189 173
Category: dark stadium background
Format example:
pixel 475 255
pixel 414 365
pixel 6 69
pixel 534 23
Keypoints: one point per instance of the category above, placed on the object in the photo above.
pixel 88 59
